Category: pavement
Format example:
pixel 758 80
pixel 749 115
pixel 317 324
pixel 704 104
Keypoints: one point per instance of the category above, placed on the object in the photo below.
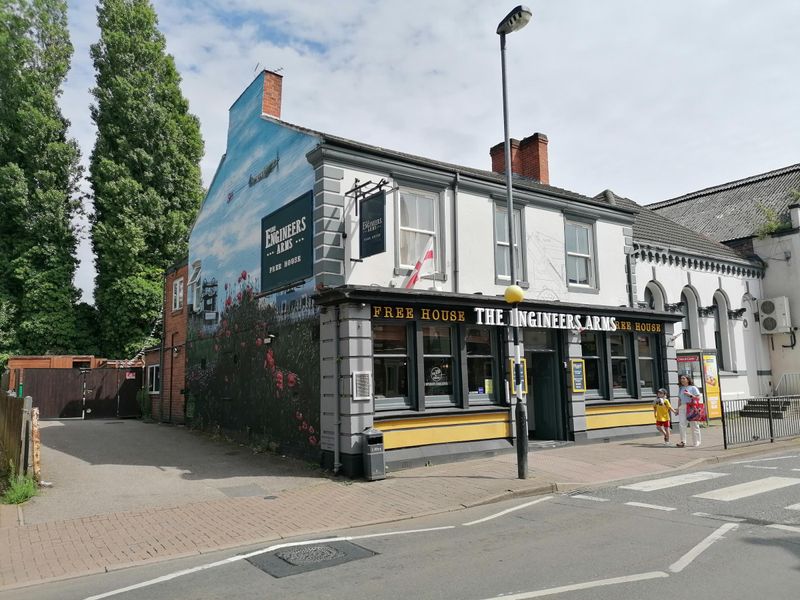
pixel 113 505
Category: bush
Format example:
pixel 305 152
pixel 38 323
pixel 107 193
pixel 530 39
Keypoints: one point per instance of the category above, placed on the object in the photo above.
pixel 19 488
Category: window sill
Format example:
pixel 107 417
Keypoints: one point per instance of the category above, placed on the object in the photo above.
pixel 577 289
pixel 503 281
pixel 385 415
pixel 402 271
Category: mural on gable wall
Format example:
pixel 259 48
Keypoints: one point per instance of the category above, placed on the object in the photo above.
pixel 253 358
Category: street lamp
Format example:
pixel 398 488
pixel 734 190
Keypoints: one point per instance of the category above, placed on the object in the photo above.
pixel 514 21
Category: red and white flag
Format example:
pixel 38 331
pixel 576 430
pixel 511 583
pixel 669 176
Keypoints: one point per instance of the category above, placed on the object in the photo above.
pixel 426 260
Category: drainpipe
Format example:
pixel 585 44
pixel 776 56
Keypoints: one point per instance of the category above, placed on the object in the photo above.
pixel 171 370
pixel 160 354
pixel 337 416
pixel 455 232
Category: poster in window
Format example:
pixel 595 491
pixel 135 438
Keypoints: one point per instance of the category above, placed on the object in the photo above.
pixel 372 225
pixel 287 248
pixel 578 370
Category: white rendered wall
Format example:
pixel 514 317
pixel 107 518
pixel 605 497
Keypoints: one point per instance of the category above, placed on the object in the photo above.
pixel 782 257
pixel 473 269
pixel 748 350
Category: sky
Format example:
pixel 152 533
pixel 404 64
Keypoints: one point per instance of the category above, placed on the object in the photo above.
pixel 651 100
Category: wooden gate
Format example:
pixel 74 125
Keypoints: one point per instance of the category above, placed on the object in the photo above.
pixel 84 393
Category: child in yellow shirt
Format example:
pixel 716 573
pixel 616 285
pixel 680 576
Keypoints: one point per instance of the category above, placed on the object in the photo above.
pixel 661 410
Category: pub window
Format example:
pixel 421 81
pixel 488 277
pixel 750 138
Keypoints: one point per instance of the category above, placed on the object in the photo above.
pixel 480 365
pixel 501 257
pixel 619 353
pixel 437 361
pixel 646 345
pixel 580 254
pixel 417 223
pixel 592 354
pixel 390 365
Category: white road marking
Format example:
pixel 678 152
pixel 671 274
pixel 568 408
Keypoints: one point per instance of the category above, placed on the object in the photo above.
pixel 508 510
pixel 742 462
pixel 583 586
pixel 751 488
pixel 238 557
pixel 785 528
pixel 668 482
pixel 719 517
pixel 760 467
pixel 585 497
pixel 687 558
pixel 795 469
pixel 793 507
pixel 653 506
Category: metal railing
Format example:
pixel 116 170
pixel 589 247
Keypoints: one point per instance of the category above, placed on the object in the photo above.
pixel 760 420
pixel 789 385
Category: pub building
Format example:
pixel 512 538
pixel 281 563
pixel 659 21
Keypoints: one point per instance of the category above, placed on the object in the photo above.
pixel 441 365
pixel 321 325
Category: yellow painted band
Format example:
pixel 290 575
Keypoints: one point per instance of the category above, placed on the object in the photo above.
pixel 416 423
pixel 619 408
pixel 620 420
pixel 406 438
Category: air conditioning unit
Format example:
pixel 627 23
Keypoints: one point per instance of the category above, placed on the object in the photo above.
pixel 774 315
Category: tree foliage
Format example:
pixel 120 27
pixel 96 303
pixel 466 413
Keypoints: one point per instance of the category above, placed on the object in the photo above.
pixel 39 171
pixel 145 171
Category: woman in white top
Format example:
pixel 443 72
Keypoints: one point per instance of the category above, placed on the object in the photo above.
pixel 687 394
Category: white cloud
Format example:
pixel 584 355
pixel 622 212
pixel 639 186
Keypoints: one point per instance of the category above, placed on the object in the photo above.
pixel 649 99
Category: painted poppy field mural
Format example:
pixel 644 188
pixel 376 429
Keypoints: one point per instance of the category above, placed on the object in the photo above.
pixel 255 375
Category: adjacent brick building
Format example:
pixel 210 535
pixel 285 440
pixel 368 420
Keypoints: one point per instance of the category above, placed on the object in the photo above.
pixel 166 381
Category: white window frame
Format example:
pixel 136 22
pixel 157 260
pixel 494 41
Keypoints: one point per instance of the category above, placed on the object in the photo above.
pixel 435 233
pixel 177 294
pixel 151 389
pixel 196 288
pixel 519 247
pixel 591 257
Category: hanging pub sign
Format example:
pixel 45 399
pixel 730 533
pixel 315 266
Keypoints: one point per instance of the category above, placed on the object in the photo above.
pixel 287 251
pixel 372 225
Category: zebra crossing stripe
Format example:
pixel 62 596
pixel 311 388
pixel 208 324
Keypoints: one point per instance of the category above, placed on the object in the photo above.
pixel 585 497
pixel 793 507
pixel 652 506
pixel 751 488
pixel 668 482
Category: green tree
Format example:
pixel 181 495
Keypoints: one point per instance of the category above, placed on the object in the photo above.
pixel 145 172
pixel 39 171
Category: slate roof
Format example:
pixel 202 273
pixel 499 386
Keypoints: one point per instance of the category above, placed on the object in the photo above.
pixel 734 210
pixel 519 182
pixel 653 228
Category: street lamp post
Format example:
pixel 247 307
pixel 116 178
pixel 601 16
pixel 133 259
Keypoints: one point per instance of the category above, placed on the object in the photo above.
pixel 514 21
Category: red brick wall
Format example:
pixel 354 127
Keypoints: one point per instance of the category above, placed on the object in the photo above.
pixel 171 405
pixel 271 100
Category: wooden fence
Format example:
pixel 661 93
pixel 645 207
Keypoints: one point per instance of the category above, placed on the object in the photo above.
pixel 17 426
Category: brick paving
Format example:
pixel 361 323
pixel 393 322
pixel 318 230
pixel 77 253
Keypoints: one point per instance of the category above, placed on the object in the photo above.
pixel 58 549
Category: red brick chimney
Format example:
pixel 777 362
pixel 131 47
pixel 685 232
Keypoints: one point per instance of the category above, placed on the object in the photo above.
pixel 271 101
pixel 528 158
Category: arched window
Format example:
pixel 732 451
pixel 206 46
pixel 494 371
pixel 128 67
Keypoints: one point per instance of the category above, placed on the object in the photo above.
pixel 691 331
pixel 722 331
pixel 654 296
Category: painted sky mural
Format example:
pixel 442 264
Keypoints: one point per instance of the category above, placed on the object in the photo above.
pixel 254 360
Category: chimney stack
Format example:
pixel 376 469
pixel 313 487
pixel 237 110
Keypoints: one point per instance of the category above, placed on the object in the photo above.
pixel 528 158
pixel 271 100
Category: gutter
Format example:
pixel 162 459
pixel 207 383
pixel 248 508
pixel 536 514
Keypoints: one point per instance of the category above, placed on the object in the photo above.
pixel 336 415
pixel 455 231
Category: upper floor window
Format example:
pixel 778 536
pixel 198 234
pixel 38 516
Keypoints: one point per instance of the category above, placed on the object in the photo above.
pixel 195 289
pixel 501 254
pixel 580 254
pixel 418 220
pixel 177 294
